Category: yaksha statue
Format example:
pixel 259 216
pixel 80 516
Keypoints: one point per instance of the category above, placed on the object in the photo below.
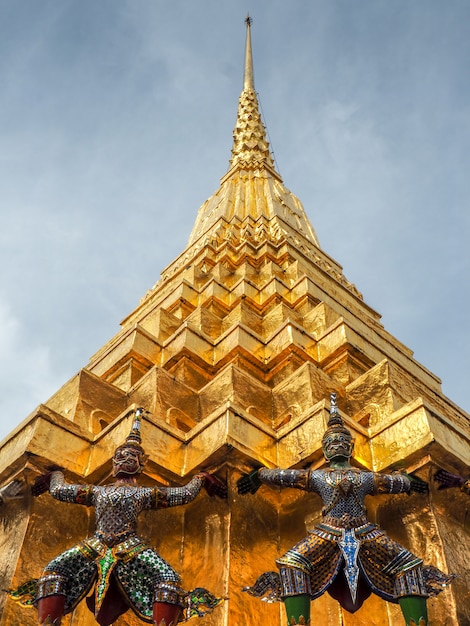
pixel 345 554
pixel 124 571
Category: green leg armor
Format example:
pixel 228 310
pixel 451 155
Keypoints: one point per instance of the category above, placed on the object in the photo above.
pixel 414 610
pixel 298 609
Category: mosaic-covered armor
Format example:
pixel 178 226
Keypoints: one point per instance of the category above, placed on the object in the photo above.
pixel 115 562
pixel 345 554
pixel 115 546
pixel 346 540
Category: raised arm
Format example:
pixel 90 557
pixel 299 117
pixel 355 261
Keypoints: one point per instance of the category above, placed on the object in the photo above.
pixel 61 490
pixel 250 483
pixel 176 496
pixel 399 483
pixel 298 479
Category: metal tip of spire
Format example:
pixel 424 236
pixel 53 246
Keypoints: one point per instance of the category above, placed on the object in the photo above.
pixel 248 80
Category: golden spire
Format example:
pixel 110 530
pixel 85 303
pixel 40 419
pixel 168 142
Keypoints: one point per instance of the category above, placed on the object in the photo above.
pixel 251 203
pixel 250 145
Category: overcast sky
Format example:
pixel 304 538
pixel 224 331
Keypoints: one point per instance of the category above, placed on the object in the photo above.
pixel 116 121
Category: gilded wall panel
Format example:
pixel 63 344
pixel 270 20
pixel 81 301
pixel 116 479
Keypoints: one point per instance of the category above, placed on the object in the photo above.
pixel 161 323
pixel 159 392
pixel 205 322
pixel 301 391
pixel 13 526
pixel 412 521
pixel 254 546
pixel 190 373
pixel 234 384
pixel 319 319
pixel 84 394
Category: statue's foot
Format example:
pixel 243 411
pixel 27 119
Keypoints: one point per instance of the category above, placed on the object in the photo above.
pixel 50 622
pixel 267 587
pixel 51 610
pixel 165 614
pixel 302 621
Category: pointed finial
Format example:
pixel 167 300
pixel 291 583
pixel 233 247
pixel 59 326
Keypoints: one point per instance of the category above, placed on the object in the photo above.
pixel 250 143
pixel 337 442
pixel 134 438
pixel 248 81
pixel 335 421
pixel 334 415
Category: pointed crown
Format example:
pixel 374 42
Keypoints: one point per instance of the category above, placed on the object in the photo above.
pixel 134 438
pixel 335 421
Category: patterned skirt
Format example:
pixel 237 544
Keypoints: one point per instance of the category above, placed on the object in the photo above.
pixel 137 568
pixel 367 553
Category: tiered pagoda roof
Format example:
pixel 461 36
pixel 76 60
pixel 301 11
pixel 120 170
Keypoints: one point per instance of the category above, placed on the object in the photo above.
pixel 233 354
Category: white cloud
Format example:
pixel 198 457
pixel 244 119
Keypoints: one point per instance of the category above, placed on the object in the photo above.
pixel 26 375
pixel 115 125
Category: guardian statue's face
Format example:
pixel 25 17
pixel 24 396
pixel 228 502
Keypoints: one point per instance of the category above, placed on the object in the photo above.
pixel 127 460
pixel 337 444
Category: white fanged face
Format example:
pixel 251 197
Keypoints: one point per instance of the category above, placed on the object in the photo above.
pixel 337 445
pixel 126 461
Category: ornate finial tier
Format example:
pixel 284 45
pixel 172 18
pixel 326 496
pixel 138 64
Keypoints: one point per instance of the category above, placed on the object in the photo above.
pixel 250 146
pixel 252 196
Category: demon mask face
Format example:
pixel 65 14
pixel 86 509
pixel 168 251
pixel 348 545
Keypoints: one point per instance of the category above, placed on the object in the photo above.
pixel 129 458
pixel 337 441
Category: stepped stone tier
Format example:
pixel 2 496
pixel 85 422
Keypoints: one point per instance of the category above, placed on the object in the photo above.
pixel 233 354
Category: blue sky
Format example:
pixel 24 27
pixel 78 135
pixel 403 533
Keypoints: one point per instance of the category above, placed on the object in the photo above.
pixel 116 121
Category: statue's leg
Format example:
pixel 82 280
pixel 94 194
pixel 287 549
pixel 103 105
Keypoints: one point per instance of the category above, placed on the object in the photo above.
pixel 414 610
pixel 412 593
pixel 51 598
pixel 59 589
pixel 168 603
pixel 165 614
pixel 298 609
pixel 295 591
pixel 51 610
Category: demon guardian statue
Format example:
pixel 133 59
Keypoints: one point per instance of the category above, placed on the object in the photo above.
pixel 124 571
pixel 345 554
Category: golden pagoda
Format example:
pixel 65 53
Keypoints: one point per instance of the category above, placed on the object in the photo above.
pixel 233 354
